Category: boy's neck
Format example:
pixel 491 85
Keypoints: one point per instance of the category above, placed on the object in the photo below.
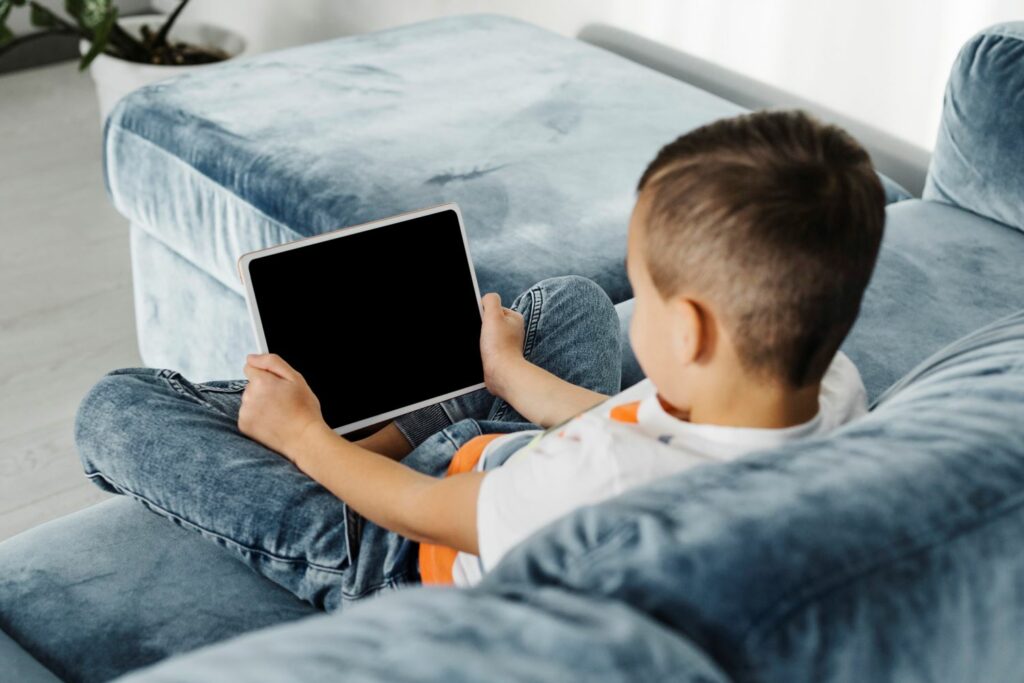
pixel 751 405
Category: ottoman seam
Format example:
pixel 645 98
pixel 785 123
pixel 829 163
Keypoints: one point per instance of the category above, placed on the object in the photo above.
pixel 196 171
pixel 291 236
pixel 186 259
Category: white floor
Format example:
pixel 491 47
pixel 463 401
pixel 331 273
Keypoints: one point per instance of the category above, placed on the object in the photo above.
pixel 65 289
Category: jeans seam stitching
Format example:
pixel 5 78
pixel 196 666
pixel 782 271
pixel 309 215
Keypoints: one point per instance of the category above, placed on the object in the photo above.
pixel 390 582
pixel 204 531
pixel 233 389
pixel 451 441
pixel 448 414
pixel 170 376
pixel 537 294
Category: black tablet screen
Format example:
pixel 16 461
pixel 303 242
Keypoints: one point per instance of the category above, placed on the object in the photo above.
pixel 377 320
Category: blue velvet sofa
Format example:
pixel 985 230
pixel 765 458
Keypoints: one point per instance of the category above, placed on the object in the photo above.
pixel 886 552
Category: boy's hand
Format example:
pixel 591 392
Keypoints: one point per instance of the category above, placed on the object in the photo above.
pixel 501 343
pixel 278 408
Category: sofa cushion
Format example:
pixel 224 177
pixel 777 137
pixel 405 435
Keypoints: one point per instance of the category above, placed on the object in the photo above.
pixel 942 273
pixel 887 551
pixel 978 163
pixel 115 587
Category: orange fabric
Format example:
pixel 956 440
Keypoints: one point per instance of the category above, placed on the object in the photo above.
pixel 627 412
pixel 436 561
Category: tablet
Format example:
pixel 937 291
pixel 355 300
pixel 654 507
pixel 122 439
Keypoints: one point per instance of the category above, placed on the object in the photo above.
pixel 381 318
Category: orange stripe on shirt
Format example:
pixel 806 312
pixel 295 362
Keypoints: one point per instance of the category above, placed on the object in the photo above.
pixel 627 412
pixel 437 561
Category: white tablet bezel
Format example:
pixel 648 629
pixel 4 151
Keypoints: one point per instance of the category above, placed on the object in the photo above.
pixel 254 314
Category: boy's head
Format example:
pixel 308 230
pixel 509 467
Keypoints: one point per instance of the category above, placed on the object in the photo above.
pixel 750 246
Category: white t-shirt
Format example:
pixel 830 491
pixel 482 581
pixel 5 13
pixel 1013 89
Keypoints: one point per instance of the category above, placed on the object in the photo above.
pixel 622 443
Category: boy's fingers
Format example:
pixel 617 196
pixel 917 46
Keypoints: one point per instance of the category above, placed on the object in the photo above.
pixel 491 303
pixel 493 308
pixel 251 372
pixel 271 362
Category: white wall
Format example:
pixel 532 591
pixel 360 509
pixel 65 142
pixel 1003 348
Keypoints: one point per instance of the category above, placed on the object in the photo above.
pixel 880 61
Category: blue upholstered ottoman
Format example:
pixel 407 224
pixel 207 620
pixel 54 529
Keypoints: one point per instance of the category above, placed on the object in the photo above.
pixel 539 138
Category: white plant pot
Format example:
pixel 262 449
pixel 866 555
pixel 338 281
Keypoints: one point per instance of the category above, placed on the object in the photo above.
pixel 115 78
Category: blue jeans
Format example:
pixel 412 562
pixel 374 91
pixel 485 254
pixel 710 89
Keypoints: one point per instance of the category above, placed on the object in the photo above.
pixel 174 446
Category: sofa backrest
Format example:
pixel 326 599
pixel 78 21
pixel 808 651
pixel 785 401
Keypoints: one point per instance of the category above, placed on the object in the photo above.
pixel 888 551
pixel 978 163
pixel 942 273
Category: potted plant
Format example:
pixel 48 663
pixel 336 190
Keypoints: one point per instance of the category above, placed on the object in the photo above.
pixel 123 54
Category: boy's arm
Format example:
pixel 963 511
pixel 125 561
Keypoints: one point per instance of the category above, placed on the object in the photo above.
pixel 280 411
pixel 391 495
pixel 541 397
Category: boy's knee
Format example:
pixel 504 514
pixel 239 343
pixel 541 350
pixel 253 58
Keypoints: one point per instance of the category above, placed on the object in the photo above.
pixel 583 296
pixel 105 410
pixel 574 288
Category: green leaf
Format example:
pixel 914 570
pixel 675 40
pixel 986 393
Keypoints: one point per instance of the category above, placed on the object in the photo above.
pixel 5 35
pixel 95 12
pixel 42 17
pixel 99 41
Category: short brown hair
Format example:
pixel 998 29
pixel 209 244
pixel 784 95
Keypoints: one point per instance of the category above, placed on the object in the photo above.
pixel 777 219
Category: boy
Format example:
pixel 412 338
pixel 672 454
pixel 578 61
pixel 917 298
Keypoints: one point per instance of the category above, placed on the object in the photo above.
pixel 749 249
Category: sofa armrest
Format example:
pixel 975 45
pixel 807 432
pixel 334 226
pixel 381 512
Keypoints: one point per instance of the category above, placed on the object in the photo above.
pixel 977 161
pixel 517 633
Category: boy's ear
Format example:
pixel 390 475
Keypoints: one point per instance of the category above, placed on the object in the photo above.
pixel 693 330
